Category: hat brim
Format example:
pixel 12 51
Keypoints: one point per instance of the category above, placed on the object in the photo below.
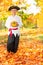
pixel 13 7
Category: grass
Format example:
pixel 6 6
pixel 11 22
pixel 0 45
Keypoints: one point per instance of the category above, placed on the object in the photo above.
pixel 25 33
pixel 40 38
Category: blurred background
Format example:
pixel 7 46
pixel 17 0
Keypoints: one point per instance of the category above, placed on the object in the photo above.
pixel 31 13
pixel 30 50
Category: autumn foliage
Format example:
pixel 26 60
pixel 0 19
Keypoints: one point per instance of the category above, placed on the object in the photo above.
pixel 30 52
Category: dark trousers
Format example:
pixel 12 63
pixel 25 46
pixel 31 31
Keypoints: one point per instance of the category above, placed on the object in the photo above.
pixel 13 43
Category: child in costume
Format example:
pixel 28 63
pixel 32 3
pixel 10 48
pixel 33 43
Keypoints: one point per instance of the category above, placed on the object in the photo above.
pixel 13 23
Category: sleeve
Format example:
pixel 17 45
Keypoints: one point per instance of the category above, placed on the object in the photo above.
pixel 7 23
pixel 20 22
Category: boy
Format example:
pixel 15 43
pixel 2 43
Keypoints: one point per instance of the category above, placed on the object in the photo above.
pixel 13 34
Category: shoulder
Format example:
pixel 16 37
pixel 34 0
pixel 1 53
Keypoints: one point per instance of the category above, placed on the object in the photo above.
pixel 18 16
pixel 9 16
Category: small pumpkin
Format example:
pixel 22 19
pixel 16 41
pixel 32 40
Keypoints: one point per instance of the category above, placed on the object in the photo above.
pixel 14 24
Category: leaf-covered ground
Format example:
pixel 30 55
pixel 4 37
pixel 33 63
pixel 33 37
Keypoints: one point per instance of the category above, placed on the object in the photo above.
pixel 30 52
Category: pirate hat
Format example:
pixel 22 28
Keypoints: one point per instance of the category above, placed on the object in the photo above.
pixel 13 7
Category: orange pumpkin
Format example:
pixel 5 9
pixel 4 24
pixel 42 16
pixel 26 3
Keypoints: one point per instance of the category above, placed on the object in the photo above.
pixel 14 24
